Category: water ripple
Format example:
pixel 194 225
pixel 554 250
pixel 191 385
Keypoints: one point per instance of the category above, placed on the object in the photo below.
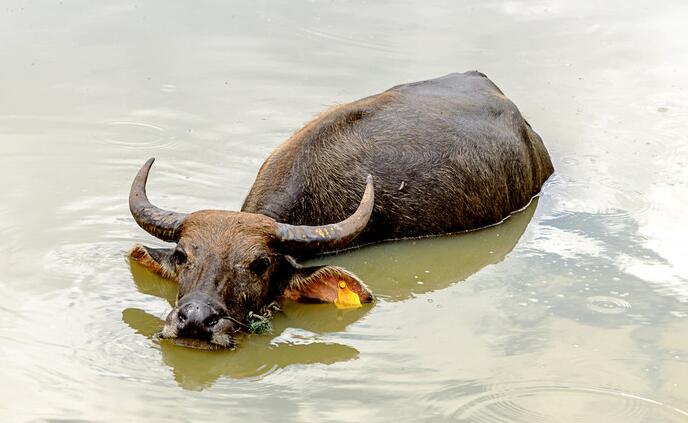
pixel 561 403
pixel 608 305
pixel 135 135
pixel 347 39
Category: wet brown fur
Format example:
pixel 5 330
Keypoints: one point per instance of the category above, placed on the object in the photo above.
pixel 220 246
pixel 141 255
pixel 447 155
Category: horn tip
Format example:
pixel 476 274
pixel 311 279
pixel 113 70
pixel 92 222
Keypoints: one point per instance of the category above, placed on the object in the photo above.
pixel 146 166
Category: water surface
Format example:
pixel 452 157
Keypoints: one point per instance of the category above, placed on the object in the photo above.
pixel 575 309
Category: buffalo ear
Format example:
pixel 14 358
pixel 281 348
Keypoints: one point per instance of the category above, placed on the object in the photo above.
pixel 320 284
pixel 157 260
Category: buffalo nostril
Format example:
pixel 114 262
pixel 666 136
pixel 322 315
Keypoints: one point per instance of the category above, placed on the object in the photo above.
pixel 196 319
pixel 211 320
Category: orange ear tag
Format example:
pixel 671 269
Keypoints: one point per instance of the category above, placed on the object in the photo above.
pixel 346 298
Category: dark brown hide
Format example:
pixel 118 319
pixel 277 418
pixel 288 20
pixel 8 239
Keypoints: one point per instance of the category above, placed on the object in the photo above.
pixel 447 155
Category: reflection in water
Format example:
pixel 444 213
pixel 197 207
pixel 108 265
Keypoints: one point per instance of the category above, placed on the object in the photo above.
pixel 396 272
pixel 594 263
pixel 402 269
pixel 150 283
pixel 258 356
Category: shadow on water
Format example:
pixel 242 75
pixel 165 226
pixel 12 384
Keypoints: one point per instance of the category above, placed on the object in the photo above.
pixel 399 270
pixel 258 355
pixel 395 271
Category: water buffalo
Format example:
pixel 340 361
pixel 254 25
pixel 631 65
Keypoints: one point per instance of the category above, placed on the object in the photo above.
pixel 433 157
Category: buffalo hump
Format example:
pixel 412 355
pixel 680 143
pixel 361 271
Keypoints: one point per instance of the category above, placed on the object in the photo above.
pixel 447 155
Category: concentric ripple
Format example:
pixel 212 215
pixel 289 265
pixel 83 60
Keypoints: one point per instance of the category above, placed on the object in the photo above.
pixel 560 403
pixel 607 305
pixel 136 135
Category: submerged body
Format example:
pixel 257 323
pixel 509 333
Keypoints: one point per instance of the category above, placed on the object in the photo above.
pixel 447 155
pixel 428 158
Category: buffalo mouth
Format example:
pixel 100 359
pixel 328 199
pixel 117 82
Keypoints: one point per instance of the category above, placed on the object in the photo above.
pixel 200 344
pixel 218 341
pixel 221 332
pixel 218 335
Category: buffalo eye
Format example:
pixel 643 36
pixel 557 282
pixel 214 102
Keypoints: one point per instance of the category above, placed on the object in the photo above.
pixel 179 256
pixel 259 265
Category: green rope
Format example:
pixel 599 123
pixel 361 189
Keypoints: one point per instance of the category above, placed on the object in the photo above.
pixel 259 323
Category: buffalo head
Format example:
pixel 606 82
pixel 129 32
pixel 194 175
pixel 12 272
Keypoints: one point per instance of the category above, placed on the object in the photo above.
pixel 231 264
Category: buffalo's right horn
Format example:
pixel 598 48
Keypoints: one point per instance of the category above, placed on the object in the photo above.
pixel 329 237
pixel 160 223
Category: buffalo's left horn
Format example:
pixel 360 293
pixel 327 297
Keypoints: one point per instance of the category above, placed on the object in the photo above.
pixel 334 236
pixel 160 223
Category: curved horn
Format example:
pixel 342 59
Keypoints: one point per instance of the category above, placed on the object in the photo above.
pixel 160 223
pixel 332 236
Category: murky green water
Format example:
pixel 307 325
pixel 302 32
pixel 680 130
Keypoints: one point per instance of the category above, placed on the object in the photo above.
pixel 574 310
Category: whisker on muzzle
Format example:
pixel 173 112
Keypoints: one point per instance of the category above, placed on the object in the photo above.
pixel 235 321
